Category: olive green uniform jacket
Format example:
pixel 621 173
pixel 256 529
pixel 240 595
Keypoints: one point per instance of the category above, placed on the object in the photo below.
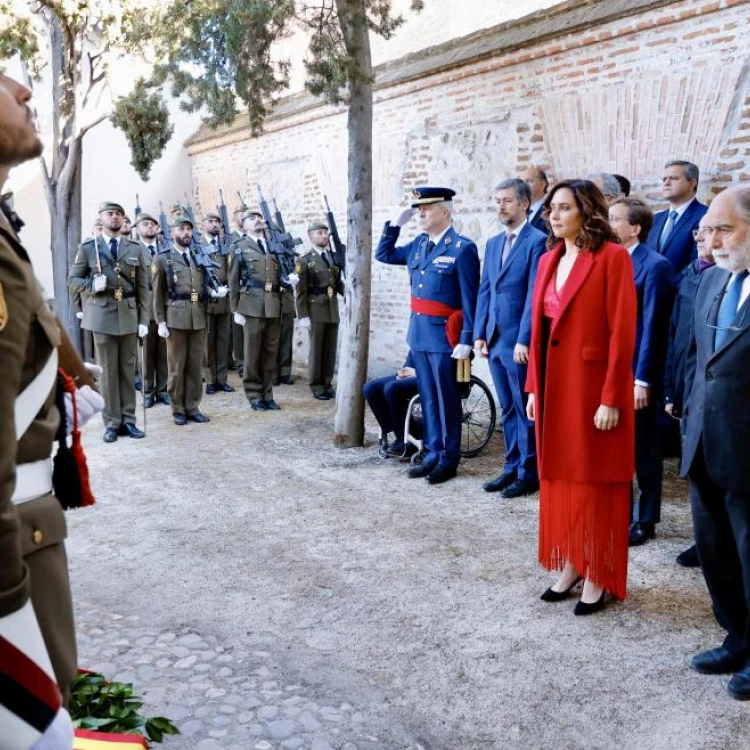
pixel 254 284
pixel 318 288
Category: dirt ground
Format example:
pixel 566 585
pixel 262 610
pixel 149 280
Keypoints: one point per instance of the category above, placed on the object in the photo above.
pixel 420 603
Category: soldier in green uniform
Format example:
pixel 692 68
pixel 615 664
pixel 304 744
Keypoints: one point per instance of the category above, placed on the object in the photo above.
pixel 219 314
pixel 255 292
pixel 109 275
pixel 180 293
pixel 237 352
pixel 286 339
pixel 155 387
pixel 317 292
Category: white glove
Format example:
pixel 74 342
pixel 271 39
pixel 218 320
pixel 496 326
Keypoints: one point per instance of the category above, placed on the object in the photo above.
pixel 163 331
pixel 88 402
pixel 79 315
pixel 461 351
pixel 239 319
pixel 59 734
pixel 142 331
pixel 304 322
pixel 95 370
pixel 293 279
pixel 405 216
pixel 222 292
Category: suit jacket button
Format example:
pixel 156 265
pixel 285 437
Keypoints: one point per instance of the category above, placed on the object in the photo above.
pixel 37 537
pixel 554 342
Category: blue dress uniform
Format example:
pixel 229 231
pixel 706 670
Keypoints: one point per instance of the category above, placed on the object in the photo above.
pixel 446 274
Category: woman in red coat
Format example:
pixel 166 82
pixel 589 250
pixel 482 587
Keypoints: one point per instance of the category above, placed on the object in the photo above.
pixel 580 381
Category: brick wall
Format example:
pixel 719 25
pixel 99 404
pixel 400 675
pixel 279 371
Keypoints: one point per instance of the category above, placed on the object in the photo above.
pixel 584 87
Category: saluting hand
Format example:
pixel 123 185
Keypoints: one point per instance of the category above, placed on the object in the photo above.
pixel 606 417
pixel 405 216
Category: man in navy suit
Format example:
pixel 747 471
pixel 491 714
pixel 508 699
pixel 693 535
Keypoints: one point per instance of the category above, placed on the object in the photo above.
pixel 672 234
pixel 503 330
pixel 630 220
pixel 444 274
pixel 538 184
pixel 717 434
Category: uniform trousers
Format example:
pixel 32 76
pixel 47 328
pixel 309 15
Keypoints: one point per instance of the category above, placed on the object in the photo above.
pixel 156 361
pixel 261 346
pixel 116 356
pixel 721 521
pixel 286 342
pixel 185 360
pixel 518 432
pixel 648 463
pixel 217 348
pixel 238 348
pixel 322 358
pixel 441 406
pixel 389 400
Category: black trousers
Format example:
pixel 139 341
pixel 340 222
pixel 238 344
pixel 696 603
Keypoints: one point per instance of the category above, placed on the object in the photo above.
pixel 721 520
pixel 649 468
pixel 389 398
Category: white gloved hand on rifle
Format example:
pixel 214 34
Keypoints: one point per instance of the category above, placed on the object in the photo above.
pixel 219 293
pixel 304 323
pixel 293 279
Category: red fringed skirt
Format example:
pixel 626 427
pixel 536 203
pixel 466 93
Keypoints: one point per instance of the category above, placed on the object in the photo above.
pixel 587 525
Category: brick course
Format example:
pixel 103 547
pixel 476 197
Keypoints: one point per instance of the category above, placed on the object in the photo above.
pixel 575 89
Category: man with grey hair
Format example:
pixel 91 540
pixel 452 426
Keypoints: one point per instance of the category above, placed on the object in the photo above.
pixel 502 330
pixel 672 233
pixel 717 433
pixel 538 182
pixel 608 184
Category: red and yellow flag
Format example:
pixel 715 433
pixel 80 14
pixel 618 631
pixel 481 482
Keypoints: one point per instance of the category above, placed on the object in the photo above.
pixel 87 740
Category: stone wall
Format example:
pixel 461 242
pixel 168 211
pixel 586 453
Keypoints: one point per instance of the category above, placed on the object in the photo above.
pixel 584 87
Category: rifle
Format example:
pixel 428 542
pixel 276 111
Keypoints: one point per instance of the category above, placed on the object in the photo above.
pixel 200 256
pixel 227 228
pixel 164 224
pixel 338 247
pixel 138 209
pixel 278 218
pixel 280 244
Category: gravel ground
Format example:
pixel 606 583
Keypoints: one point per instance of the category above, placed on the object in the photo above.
pixel 267 590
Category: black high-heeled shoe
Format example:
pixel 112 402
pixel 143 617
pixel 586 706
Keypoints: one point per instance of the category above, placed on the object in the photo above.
pixel 584 608
pixel 550 595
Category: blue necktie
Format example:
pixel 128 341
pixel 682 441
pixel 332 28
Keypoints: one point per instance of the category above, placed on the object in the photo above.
pixel 151 250
pixel 728 309
pixel 507 248
pixel 113 249
pixel 668 227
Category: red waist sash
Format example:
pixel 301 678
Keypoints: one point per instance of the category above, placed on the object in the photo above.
pixel 455 320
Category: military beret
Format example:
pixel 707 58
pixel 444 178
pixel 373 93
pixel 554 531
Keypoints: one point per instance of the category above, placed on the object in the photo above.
pixel 111 206
pixel 241 209
pixel 313 225
pixel 179 220
pixel 252 212
pixel 143 216
pixel 421 196
pixel 211 215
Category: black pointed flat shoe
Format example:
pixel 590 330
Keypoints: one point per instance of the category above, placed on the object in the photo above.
pixel 550 595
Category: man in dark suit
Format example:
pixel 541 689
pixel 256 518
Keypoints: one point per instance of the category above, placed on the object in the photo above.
pixel 672 235
pixel 717 434
pixel 631 220
pixel 538 184
pixel 503 331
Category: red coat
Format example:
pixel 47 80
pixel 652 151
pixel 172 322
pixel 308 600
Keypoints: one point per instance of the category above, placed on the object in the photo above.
pixel 589 362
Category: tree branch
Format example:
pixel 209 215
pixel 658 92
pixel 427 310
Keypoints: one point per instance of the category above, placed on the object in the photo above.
pixel 88 126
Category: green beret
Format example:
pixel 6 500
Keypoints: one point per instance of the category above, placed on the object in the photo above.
pixel 179 220
pixel 251 212
pixel 111 206
pixel 211 215
pixel 316 225
pixel 241 209
pixel 143 216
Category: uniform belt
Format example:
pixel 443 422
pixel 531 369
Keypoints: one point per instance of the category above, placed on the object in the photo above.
pixel 431 307
pixel 32 480
pixel 257 284
pixel 124 294
pixel 320 290
pixel 185 295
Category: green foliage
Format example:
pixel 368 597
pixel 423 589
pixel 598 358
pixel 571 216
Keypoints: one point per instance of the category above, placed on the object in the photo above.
pixel 20 34
pixel 144 118
pixel 111 707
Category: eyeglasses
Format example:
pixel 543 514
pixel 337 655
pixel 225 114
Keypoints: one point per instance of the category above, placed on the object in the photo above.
pixel 717 302
pixel 699 234
pixel 710 231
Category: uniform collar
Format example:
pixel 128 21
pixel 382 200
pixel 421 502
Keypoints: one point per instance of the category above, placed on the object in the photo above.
pixel 442 234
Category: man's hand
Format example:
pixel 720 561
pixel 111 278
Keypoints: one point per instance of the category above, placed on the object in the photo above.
pixel 669 408
pixel 222 292
pixel 406 372
pixel 239 319
pixel 405 216
pixel 521 354
pixel 88 403
pixel 480 345
pixel 642 396
pixel 461 351
pixel 531 407
pixel 293 279
pixel 163 331
pixel 606 417
pixel 142 331
pixel 79 315
pixel 304 323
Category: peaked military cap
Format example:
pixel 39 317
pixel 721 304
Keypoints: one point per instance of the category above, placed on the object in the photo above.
pixel 211 215
pixel 421 196
pixel 143 216
pixel 179 219
pixel 316 225
pixel 111 206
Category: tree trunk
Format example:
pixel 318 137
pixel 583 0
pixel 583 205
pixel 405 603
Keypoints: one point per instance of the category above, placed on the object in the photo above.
pixel 349 422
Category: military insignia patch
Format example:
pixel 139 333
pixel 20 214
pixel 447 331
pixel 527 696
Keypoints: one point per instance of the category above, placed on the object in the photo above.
pixel 153 267
pixel 3 309
pixel 448 241
pixel 298 269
